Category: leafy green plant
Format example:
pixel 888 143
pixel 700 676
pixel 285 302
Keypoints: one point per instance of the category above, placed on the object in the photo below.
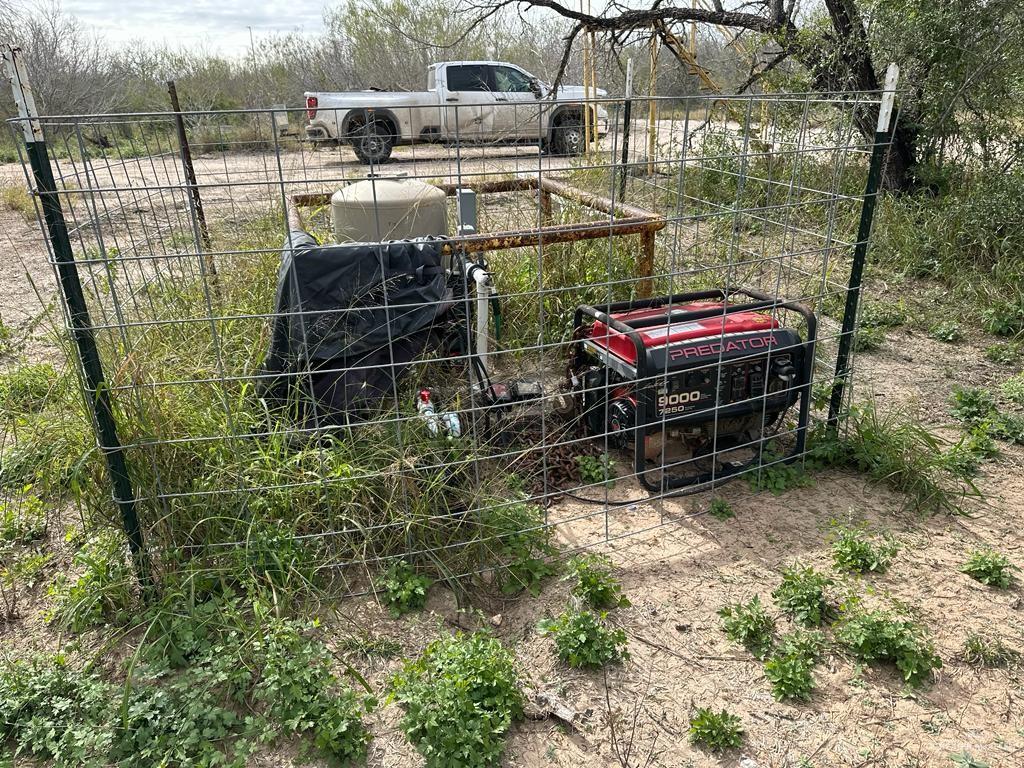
pixel 1005 317
pixel 973 405
pixel 520 546
pixel 991 568
pixel 748 623
pixel 801 595
pixel 596 469
pixel 1009 427
pixel 982 651
pixel 583 641
pixel 853 551
pixel 273 555
pixel 869 339
pixel 593 582
pixel 777 476
pixel 790 675
pixel 460 698
pixel 717 731
pixel 967 760
pixel 947 331
pixel 102 592
pixel 881 636
pixel 403 589
pixel 1003 353
pixel 809 643
pixel 51 711
pixel 1013 389
pixel 23 521
pixel 720 509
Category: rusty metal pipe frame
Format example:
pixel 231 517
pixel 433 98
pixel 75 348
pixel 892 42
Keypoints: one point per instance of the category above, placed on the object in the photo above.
pixel 634 221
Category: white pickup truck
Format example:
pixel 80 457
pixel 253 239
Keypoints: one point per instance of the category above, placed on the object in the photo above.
pixel 465 102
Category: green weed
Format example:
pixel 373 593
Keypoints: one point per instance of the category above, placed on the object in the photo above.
pixel 1003 353
pixel 583 641
pixel 879 636
pixel 809 643
pixel 801 595
pixel 869 339
pixel 403 589
pixel 717 731
pixel 522 547
pixel 460 698
pixel 748 623
pixel 23 520
pixel 854 552
pixel 594 584
pixel 1013 389
pixel 778 476
pixel 947 331
pixel 17 199
pixel 790 675
pixel 25 389
pixel 595 470
pixel 991 568
pixel 967 760
pixel 104 591
pixel 1005 317
pixel 973 405
pixel 720 509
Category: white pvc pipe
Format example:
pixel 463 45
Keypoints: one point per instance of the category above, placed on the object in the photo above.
pixel 483 295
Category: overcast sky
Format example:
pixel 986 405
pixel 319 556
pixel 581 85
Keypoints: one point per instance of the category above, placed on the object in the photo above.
pixel 220 25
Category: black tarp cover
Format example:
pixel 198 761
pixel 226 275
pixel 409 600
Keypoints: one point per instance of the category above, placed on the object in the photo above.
pixel 352 317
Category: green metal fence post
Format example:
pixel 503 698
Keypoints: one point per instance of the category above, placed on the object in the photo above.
pixel 97 391
pixel 883 136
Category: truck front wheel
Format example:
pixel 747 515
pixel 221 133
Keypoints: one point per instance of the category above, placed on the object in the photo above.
pixel 567 136
pixel 373 142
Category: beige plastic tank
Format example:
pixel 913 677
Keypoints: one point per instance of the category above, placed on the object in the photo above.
pixel 376 209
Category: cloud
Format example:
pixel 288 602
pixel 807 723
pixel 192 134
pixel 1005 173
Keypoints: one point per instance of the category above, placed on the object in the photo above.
pixel 220 25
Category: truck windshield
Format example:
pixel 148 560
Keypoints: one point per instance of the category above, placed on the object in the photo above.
pixel 467 78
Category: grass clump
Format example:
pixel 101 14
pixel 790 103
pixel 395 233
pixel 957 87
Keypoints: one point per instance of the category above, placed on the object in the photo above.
pixel 720 509
pixel 854 552
pixel 102 592
pixel 964 457
pixel 801 595
pixel 716 731
pixel 896 450
pixel 991 568
pixel 584 642
pixel 26 389
pixel 17 199
pixel 979 651
pixel 594 584
pixel 23 521
pixel 460 698
pixel 403 589
pixel 880 636
pixel 748 623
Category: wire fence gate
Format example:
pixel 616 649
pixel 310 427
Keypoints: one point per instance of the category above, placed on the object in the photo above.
pixel 523 321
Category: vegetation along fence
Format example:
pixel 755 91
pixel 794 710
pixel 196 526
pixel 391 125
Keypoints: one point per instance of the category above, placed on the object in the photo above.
pixel 297 360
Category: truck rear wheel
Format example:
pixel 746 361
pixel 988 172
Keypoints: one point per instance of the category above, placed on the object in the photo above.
pixel 567 138
pixel 373 142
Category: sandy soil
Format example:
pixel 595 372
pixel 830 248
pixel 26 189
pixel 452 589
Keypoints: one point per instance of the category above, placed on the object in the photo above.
pixel 679 574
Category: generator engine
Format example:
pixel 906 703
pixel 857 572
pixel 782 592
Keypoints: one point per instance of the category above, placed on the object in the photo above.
pixel 695 383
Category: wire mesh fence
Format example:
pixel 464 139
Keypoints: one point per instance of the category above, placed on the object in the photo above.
pixel 511 326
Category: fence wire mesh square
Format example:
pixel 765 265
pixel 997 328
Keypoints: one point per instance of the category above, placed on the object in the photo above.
pixel 601 329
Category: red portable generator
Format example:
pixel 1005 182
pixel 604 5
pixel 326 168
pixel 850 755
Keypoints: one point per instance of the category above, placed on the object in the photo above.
pixel 700 380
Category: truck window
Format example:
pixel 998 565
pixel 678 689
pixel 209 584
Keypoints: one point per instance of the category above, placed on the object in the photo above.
pixel 468 78
pixel 508 80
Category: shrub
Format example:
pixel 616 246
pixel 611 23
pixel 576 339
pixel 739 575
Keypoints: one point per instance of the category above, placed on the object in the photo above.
pixel 880 636
pixel 593 582
pixel 403 589
pixel 852 551
pixel 460 698
pixel 721 509
pixel 948 331
pixel 749 624
pixel 991 568
pixel 103 592
pixel 717 731
pixel 801 595
pixel 584 642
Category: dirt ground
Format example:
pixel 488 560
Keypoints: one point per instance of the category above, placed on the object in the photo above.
pixel 679 574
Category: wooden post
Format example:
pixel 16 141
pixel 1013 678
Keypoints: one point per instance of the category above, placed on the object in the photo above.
pixel 645 265
pixel 652 114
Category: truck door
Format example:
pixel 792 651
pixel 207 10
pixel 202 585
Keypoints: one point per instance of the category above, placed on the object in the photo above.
pixel 468 103
pixel 517 112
